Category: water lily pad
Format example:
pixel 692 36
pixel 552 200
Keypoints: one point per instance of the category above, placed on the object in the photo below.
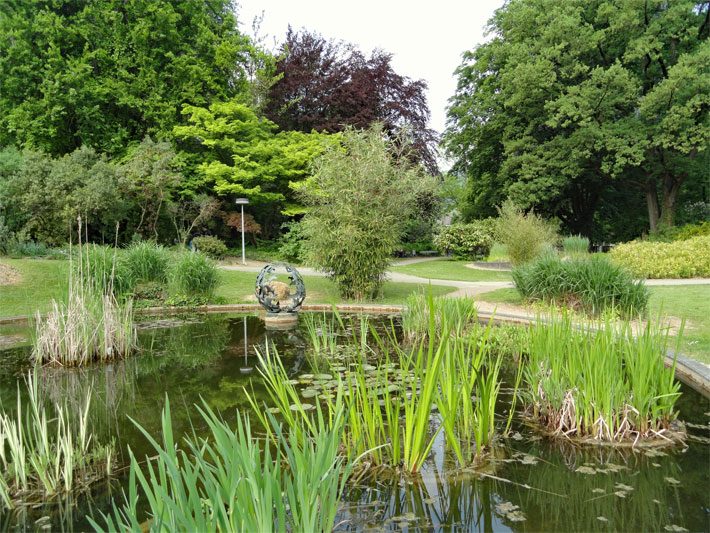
pixel 306 376
pixel 293 382
pixel 510 511
pixel 304 406
pixel 323 377
pixel 309 393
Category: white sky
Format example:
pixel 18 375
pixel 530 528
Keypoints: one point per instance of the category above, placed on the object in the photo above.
pixel 425 38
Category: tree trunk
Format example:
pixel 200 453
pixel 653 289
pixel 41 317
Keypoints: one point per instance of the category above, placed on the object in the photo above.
pixel 654 210
pixel 671 186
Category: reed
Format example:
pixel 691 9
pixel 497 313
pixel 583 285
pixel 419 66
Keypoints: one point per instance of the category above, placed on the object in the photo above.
pixel 45 456
pixel 600 381
pixel 230 481
pixel 575 245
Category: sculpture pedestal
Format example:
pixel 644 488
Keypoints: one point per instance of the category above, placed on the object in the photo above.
pixel 281 320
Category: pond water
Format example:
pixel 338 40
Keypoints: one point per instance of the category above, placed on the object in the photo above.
pixel 529 484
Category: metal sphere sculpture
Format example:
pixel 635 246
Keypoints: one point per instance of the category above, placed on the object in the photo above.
pixel 272 294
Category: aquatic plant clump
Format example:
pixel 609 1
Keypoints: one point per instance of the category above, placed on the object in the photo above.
pixel 44 456
pixel 89 327
pixel 601 385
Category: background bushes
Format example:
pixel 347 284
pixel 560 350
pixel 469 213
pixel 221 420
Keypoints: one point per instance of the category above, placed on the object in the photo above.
pixel 591 285
pixel 211 246
pixel 469 241
pixel 679 259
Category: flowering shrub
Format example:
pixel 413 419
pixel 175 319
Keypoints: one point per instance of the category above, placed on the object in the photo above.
pixel 679 259
pixel 466 240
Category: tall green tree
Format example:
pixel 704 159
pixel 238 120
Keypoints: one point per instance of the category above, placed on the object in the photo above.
pixel 234 152
pixel 104 73
pixel 572 97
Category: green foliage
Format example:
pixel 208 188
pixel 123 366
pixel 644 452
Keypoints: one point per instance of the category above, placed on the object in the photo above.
pixel 469 241
pixel 609 384
pixel 230 482
pixel 103 269
pixel 359 197
pixel 45 196
pixel 498 253
pixel 679 233
pixel 240 154
pixel 573 101
pixel 679 259
pixel 525 235
pixel 592 285
pixel 146 261
pixel 211 246
pixel 105 74
pixel 575 246
pixel 292 247
pixel 193 274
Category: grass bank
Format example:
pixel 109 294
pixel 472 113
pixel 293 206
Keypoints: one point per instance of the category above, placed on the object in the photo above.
pixel 451 269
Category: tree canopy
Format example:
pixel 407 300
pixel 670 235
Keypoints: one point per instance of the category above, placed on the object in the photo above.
pixel 107 73
pixel 575 101
pixel 324 85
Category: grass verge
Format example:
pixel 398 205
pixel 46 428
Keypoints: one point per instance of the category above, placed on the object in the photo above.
pixel 451 269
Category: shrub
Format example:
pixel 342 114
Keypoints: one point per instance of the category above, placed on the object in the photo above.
pixel 147 261
pixel 193 274
pixel 575 245
pixel 292 247
pixel 591 285
pixel 680 259
pixel 359 198
pixel 470 241
pixel 679 233
pixel 524 234
pixel 211 246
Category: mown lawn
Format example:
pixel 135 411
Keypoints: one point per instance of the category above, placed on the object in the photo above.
pixel 451 269
pixel 43 280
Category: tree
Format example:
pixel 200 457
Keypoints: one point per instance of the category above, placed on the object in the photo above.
pixel 45 196
pixel 573 97
pixel 104 73
pixel 359 199
pixel 325 85
pixel 235 153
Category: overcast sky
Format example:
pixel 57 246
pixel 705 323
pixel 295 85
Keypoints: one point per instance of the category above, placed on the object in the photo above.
pixel 425 38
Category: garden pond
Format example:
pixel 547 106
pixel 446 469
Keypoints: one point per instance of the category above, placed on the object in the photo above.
pixel 528 483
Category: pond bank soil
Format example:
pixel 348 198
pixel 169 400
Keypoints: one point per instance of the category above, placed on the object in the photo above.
pixel 9 276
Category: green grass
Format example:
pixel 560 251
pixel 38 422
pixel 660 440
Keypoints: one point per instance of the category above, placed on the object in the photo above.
pixel 689 302
pixel 502 296
pixel 43 280
pixel 238 287
pixel 451 269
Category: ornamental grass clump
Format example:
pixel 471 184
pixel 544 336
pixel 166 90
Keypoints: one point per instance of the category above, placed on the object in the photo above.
pixel 193 274
pixel 43 455
pixel 575 246
pixel 601 385
pixel 147 261
pixel 592 285
pixel 92 324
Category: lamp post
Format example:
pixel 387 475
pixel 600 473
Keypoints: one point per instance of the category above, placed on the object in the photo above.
pixel 243 202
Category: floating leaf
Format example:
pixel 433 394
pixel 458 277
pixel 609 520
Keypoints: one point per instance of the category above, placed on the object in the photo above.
pixel 306 376
pixel 293 382
pixel 309 393
pixel 323 376
pixel 672 480
pixel 586 470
